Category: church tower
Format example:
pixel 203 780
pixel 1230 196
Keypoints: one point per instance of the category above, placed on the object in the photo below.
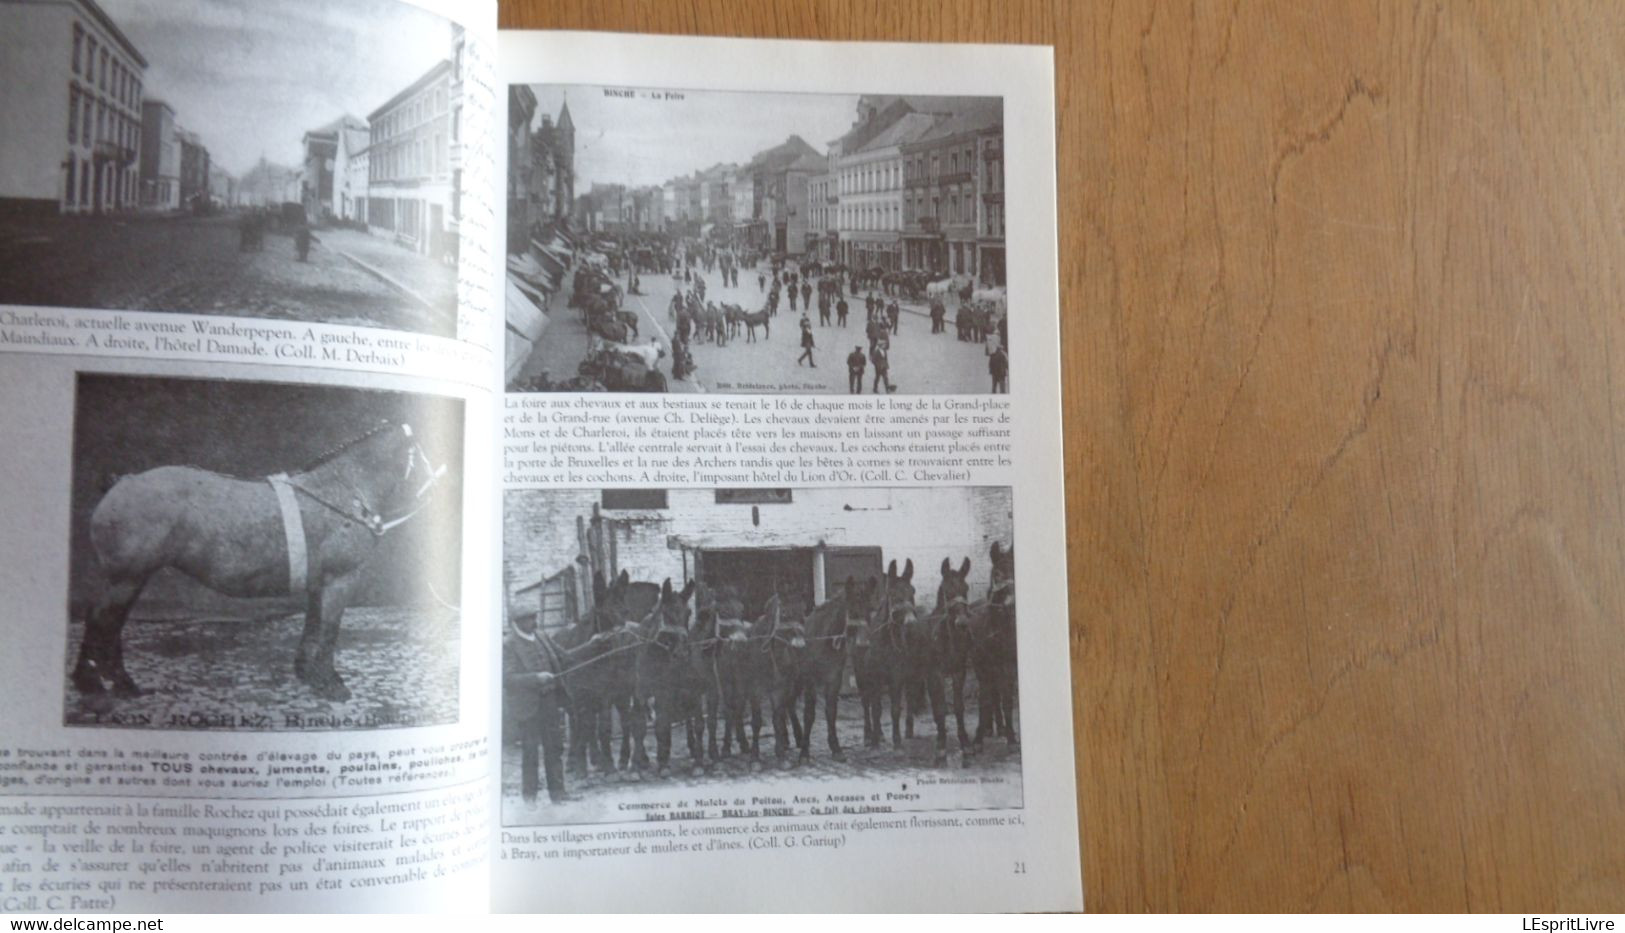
pixel 565 156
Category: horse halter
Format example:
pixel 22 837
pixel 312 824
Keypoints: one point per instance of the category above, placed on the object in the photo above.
pixel 362 513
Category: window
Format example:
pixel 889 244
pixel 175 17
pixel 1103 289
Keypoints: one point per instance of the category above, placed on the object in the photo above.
pixel 754 496
pixel 84 177
pixel 78 41
pixel 73 125
pixel 102 75
pixel 623 499
pixel 85 118
pixel 72 164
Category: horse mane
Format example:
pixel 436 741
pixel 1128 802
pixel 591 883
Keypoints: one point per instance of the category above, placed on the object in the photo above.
pixel 334 452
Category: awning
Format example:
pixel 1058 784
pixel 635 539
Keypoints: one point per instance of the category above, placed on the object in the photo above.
pixel 751 538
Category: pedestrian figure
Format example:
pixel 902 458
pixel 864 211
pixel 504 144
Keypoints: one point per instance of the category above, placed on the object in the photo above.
pixel 840 312
pixel 998 366
pixel 806 343
pixel 872 331
pixel 855 364
pixel 894 312
pixel 301 241
pixel 877 356
pixel 792 291
pixel 806 293
pixel 761 281
pixel 823 310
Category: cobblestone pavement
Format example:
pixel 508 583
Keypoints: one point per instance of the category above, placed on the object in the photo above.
pixel 433 283
pixel 921 362
pixel 192 264
pixel 988 780
pixel 401 666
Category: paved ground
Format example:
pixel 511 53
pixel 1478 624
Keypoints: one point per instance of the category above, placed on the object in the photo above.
pixel 991 779
pixel 400 664
pixel 192 264
pixel 921 362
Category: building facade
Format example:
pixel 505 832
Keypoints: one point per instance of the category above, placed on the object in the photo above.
pixel 160 162
pixel 410 183
pixel 194 171
pixel 350 173
pixel 811 539
pixel 948 229
pixel 870 181
pixel 70 118
pixel 325 176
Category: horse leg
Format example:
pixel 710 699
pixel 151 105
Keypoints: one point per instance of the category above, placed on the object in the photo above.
pixel 809 707
pixel 897 701
pixel 939 711
pixel 584 753
pixel 637 721
pixel 101 651
pixel 332 596
pixel 959 708
pixel 832 691
pixel 1007 697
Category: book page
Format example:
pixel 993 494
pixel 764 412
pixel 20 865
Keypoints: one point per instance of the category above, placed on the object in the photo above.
pixel 781 435
pixel 245 339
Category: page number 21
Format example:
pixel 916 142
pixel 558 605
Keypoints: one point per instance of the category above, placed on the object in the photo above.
pixel 1021 868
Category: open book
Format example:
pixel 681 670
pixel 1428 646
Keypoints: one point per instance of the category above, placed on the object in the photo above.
pixel 445 468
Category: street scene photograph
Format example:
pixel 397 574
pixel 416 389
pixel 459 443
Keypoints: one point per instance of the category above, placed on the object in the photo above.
pixel 296 161
pixel 666 240
pixel 705 653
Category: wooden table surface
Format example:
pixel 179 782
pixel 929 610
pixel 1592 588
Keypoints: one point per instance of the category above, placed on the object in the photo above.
pixel 1345 504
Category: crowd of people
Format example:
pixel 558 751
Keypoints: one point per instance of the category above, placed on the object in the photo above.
pixel 799 288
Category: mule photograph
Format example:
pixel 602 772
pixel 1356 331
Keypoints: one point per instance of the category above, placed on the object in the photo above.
pixel 263 556
pixel 812 646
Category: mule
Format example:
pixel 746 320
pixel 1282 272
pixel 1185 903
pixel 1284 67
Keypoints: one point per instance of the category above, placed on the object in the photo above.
pixel 828 627
pixel 665 676
pixel 878 653
pixel 230 535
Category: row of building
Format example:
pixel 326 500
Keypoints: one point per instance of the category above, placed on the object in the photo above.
pixel 85 139
pixel 398 172
pixel 915 183
pixel 90 142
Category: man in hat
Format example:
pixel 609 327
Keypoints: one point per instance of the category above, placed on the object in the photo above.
pixel 856 362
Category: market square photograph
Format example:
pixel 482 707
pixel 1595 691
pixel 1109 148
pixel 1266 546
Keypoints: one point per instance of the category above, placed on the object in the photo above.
pixel 665 240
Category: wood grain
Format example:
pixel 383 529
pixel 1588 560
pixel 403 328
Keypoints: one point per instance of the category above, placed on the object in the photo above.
pixel 1340 290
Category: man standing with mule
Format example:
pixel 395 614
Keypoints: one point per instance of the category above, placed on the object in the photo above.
pixel 535 687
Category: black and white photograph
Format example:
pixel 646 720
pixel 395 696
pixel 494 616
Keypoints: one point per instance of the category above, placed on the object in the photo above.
pixel 694 654
pixel 262 556
pixel 293 161
pixel 678 240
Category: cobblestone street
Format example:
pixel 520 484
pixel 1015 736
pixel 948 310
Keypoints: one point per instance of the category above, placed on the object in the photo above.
pixel 401 665
pixel 991 779
pixel 193 264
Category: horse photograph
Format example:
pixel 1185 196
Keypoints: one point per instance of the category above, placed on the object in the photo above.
pixel 263 556
pixel 785 643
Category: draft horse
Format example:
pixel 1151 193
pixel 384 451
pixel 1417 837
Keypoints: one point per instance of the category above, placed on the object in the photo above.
pixel 234 536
